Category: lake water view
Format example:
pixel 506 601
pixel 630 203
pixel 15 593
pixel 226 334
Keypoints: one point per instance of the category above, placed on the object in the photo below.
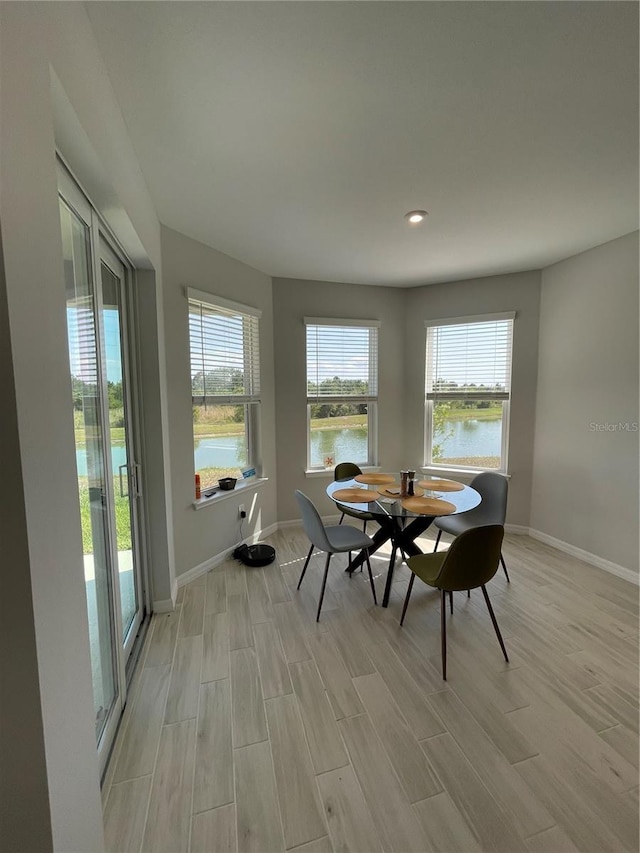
pixel 118 458
pixel 468 438
pixel 472 438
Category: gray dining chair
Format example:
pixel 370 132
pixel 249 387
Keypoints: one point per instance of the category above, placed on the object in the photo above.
pixel 493 489
pixel 337 539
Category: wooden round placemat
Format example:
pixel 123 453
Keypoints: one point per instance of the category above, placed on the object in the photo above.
pixel 374 479
pixel 393 491
pixel 441 485
pixel 355 496
pixel 428 506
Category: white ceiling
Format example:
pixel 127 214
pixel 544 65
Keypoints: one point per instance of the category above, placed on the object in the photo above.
pixel 294 136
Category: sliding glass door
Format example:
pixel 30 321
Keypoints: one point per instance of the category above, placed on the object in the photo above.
pixel 90 441
pixel 96 281
pixel 124 470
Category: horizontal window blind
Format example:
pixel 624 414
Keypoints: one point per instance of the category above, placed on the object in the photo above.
pixel 225 352
pixel 342 360
pixel 81 336
pixel 469 360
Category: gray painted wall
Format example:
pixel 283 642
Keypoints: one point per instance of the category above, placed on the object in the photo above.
pixel 25 822
pixel 589 298
pixel 402 366
pixel 91 135
pixel 293 300
pixel 154 428
pixel 585 485
pixel 36 299
pixel 36 41
pixel 518 292
pixel 203 534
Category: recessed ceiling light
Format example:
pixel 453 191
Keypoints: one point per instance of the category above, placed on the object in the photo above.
pixel 415 217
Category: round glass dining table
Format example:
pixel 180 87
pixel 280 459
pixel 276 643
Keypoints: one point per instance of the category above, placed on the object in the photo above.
pixel 398 524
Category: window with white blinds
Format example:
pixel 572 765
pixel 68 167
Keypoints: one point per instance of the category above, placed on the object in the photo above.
pixel 342 391
pixel 468 387
pixel 225 350
pixel 224 342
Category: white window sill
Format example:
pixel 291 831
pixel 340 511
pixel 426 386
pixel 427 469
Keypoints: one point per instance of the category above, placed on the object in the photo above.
pixel 328 472
pixel 469 473
pixel 240 489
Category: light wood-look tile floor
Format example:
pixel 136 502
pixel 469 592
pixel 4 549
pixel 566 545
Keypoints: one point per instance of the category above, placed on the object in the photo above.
pixel 250 727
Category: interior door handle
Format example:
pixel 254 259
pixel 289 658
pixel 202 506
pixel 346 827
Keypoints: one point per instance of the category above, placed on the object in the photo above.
pixel 122 493
pixel 136 478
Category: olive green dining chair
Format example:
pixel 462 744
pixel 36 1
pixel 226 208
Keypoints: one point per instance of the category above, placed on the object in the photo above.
pixel 347 471
pixel 471 561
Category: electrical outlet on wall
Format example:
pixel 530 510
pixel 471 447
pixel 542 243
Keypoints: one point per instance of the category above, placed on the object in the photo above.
pixel 241 511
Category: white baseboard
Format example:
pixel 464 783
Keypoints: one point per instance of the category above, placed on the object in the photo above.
pixel 203 568
pixel 592 559
pixel 272 528
pixel 297 522
pixel 518 529
pixel 164 605
pixel 167 605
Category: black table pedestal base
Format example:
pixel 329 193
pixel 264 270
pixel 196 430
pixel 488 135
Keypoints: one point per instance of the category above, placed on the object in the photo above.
pixel 402 538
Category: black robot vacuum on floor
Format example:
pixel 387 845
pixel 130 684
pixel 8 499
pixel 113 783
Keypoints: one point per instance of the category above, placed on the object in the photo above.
pixel 255 555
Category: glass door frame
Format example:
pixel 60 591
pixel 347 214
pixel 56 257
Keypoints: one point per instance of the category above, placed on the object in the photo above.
pixel 104 254
pixel 103 244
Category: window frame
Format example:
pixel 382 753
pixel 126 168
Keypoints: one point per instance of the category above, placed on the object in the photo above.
pixel 429 463
pixel 251 357
pixel 371 400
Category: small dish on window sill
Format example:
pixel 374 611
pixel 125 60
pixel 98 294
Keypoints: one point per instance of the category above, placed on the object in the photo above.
pixel 220 496
pixel 227 483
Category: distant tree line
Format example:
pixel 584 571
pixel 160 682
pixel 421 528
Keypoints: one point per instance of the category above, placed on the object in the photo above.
pixel 81 389
pixel 445 385
pixel 222 380
pixel 337 387
pixel 225 381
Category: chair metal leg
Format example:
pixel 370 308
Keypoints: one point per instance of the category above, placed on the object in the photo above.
pixel 341 519
pixel 373 586
pixel 306 563
pixel 407 597
pixel 437 541
pixel 468 593
pixel 495 624
pixel 443 631
pixel 504 568
pixel 349 569
pixel 324 583
pixel 451 602
pixel 364 527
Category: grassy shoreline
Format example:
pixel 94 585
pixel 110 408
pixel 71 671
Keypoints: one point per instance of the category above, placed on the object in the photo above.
pixel 123 519
pixel 210 476
pixel 474 415
pixel 207 430
pixel 469 461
